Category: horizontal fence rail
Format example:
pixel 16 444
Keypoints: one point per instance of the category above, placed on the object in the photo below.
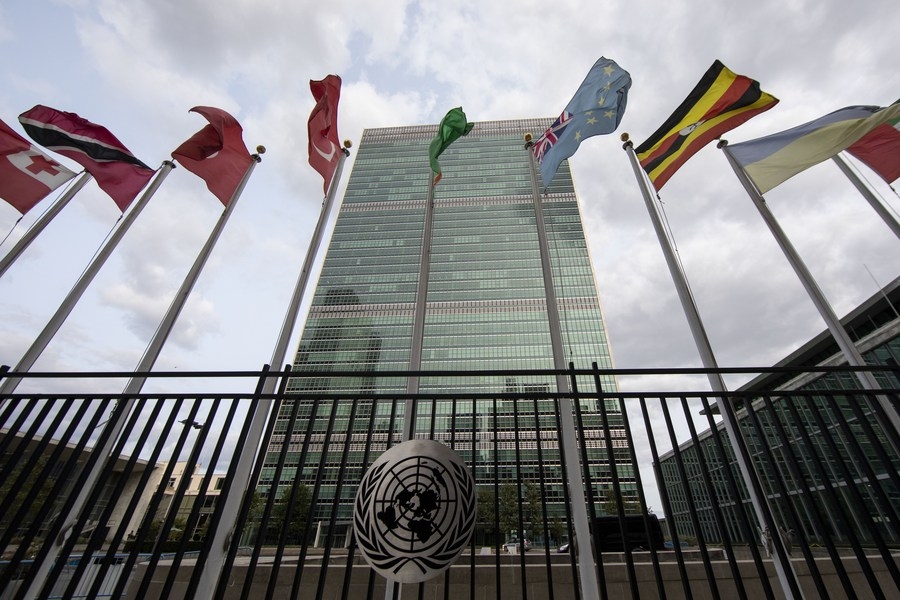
pixel 669 510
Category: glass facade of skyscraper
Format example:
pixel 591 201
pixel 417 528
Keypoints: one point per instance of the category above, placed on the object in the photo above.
pixel 486 310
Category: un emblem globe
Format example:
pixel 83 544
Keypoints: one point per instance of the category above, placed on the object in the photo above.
pixel 414 511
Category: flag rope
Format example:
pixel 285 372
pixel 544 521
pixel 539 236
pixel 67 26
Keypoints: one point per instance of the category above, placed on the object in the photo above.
pixel 99 248
pixel 848 158
pixel 11 229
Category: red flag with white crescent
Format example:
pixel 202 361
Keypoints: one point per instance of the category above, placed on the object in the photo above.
pixel 216 153
pixel 324 145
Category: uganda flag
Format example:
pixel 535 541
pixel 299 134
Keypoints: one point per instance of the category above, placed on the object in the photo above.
pixel 721 101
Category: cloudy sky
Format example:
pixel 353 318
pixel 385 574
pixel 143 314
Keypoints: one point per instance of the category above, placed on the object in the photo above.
pixel 137 66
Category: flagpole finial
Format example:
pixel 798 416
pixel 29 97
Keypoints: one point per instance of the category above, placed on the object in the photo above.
pixel 722 143
pixel 528 139
pixel 625 137
pixel 626 140
pixel 348 144
pixel 260 149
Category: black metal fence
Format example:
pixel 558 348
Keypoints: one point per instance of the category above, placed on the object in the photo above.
pixel 672 515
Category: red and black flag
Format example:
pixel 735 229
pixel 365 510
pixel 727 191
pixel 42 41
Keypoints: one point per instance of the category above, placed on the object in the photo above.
pixel 117 171
pixel 721 101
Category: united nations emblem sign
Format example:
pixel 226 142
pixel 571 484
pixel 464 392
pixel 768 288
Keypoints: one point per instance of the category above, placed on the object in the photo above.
pixel 414 511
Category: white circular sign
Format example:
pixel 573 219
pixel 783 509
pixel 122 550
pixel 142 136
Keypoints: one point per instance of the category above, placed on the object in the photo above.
pixel 414 511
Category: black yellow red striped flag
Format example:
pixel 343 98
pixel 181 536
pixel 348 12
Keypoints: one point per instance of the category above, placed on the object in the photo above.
pixel 721 101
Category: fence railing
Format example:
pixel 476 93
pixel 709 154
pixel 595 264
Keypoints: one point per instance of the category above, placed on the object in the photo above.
pixel 669 510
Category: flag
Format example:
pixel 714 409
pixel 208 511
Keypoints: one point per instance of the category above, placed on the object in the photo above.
pixel 324 145
pixel 596 108
pixel 117 171
pixel 773 159
pixel 880 149
pixel 721 101
pixel 452 127
pixel 27 175
pixel 216 153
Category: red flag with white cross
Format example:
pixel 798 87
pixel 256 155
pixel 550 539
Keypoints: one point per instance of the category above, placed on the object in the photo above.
pixel 27 175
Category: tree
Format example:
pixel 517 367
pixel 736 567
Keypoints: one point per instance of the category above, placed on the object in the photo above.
pixel 509 508
pixel 533 508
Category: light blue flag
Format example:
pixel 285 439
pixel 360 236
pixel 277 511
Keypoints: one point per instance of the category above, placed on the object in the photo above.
pixel 596 108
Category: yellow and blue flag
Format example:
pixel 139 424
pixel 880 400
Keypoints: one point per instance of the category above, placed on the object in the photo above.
pixel 596 108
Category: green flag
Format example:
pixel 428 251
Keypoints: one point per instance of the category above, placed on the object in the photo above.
pixel 452 126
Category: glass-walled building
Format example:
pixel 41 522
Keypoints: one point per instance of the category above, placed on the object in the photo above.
pixel 821 433
pixel 485 310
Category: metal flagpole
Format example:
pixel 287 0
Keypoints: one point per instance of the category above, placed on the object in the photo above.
pixel 590 587
pixel 394 589
pixel 69 520
pixel 117 420
pixel 418 332
pixel 39 225
pixel 165 327
pixel 68 304
pixel 783 567
pixel 882 210
pixel 848 348
pixel 225 533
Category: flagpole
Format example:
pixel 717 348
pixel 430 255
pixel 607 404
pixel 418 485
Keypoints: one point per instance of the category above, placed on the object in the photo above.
pixel 225 533
pixel 851 353
pixel 136 383
pixel 123 407
pixel 68 304
pixel 418 331
pixel 868 194
pixel 587 571
pixel 68 520
pixel 764 515
pixel 39 225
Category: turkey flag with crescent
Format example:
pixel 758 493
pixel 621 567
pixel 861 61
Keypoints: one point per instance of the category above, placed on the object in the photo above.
pixel 324 146
pixel 216 153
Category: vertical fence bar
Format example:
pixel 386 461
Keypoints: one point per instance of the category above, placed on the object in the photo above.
pixel 215 574
pixel 42 516
pixel 95 542
pixel 664 497
pixel 629 437
pixel 695 522
pixel 714 500
pixel 617 489
pixel 301 466
pixel 570 531
pixel 791 462
pixel 830 499
pixel 153 563
pixel 337 491
pixel 597 556
pixel 538 434
pixel 194 516
pixel 733 490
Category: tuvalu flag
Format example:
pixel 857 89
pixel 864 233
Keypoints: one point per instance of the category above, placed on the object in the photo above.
pixel 453 126
pixel 324 145
pixel 117 171
pixel 216 153
pixel 27 175
pixel 596 108
pixel 880 149
pixel 773 159
pixel 721 101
